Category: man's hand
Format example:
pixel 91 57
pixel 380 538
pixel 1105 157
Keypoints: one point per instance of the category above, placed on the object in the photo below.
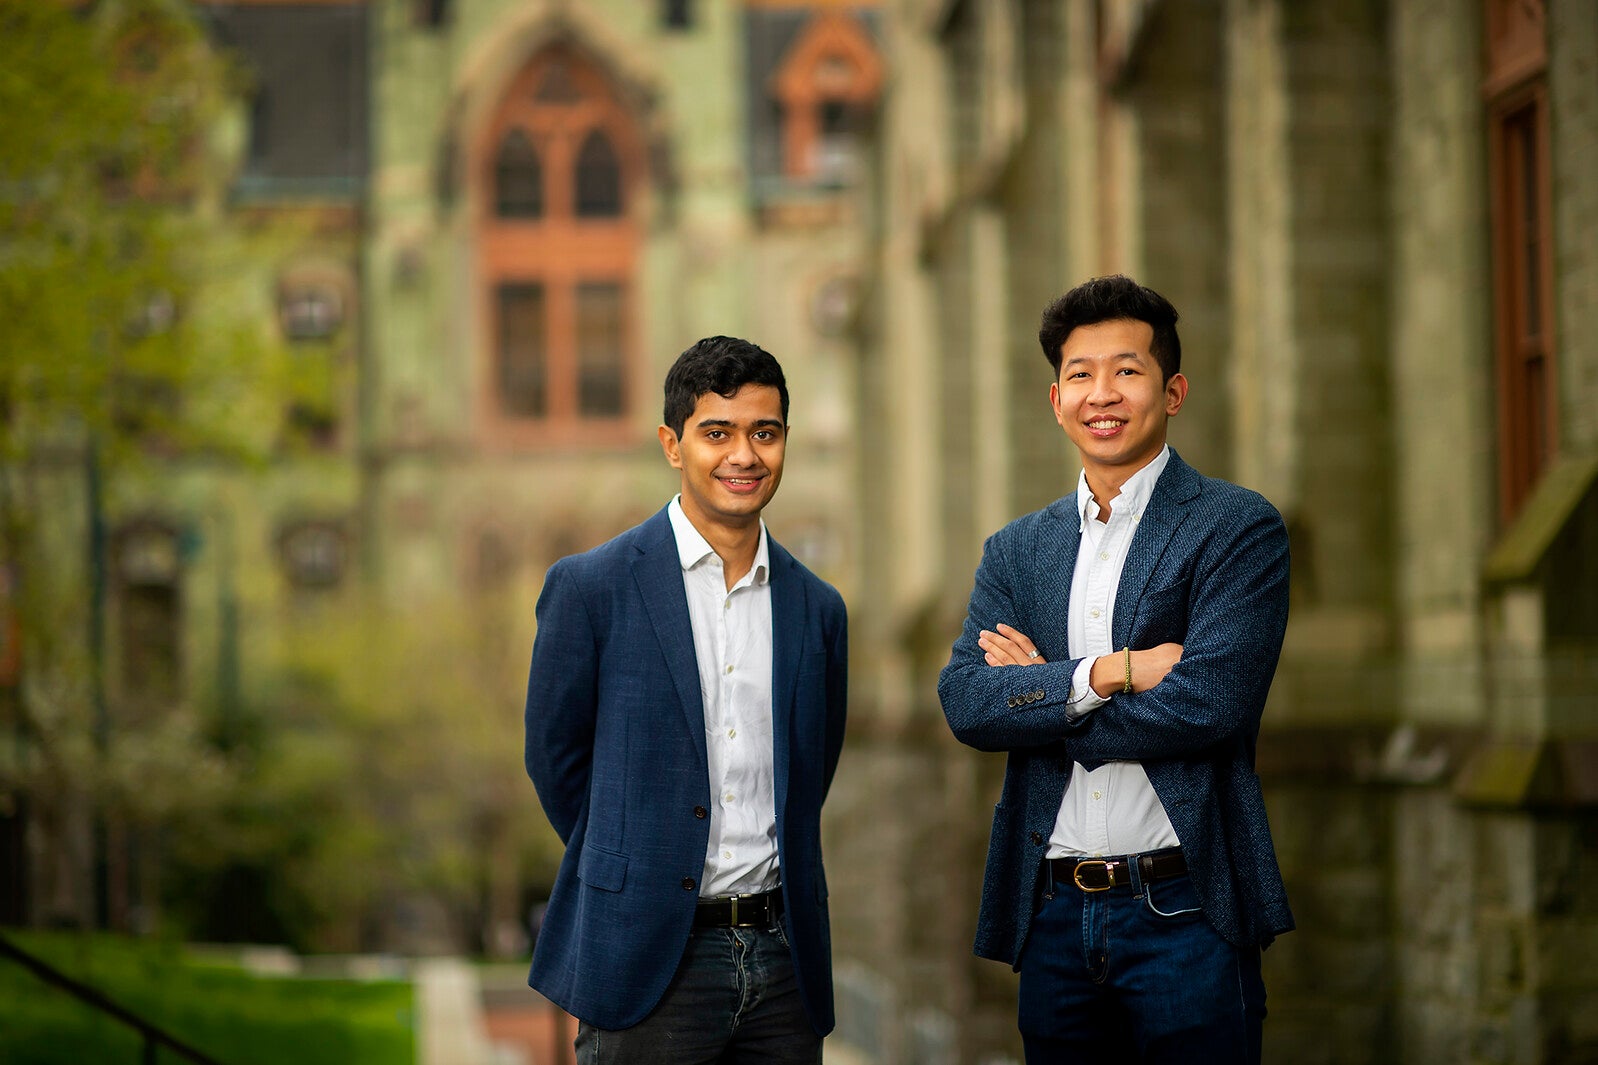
pixel 1006 645
pixel 1009 647
pixel 1149 667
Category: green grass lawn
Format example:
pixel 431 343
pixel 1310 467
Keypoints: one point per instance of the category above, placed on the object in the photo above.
pixel 236 1017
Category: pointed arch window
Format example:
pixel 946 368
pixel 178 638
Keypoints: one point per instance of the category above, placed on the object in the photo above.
pixel 559 243
pixel 518 177
pixel 598 178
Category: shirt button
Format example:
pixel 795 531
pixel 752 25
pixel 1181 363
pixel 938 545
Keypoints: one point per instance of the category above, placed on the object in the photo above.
pixel 687 883
pixel 726 854
pixel 1105 555
pixel 727 797
pixel 729 669
pixel 1098 794
pixel 732 733
pixel 701 813
pixel 1093 613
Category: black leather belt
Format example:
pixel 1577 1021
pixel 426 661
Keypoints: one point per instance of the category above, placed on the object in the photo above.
pixel 1102 874
pixel 740 911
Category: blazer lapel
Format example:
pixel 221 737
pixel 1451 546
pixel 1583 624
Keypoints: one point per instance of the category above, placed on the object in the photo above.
pixel 787 633
pixel 1055 562
pixel 658 574
pixel 1166 510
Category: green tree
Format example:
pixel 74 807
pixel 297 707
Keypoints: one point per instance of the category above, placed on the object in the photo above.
pixel 112 361
pixel 384 803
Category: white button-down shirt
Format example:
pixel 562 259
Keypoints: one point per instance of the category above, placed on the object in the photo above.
pixel 1112 809
pixel 732 644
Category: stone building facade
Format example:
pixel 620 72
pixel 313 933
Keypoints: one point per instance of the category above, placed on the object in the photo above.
pixel 1376 221
pixel 491 224
pixel 484 229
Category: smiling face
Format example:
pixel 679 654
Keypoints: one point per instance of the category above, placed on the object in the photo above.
pixel 730 454
pixel 1111 399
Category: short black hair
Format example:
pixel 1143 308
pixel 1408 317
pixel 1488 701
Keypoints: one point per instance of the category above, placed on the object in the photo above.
pixel 721 365
pixel 1109 299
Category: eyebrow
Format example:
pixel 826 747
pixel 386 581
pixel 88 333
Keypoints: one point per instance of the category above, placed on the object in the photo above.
pixel 728 423
pixel 1077 360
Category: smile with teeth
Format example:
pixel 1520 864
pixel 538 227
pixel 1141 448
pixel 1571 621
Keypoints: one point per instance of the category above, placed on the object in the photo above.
pixel 1106 423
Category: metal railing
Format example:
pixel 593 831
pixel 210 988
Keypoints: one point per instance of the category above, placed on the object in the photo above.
pixel 155 1037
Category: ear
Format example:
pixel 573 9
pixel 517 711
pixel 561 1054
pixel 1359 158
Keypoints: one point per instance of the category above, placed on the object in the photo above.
pixel 1175 393
pixel 1054 403
pixel 670 445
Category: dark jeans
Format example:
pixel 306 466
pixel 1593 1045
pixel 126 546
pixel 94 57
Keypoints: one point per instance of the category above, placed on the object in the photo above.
pixel 1136 974
pixel 734 1001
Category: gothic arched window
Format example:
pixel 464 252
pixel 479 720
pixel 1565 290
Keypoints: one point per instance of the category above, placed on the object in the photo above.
pixel 559 247
pixel 518 179
pixel 598 178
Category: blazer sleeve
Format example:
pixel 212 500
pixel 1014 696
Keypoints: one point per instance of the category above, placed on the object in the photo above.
pixel 1000 708
pixel 1237 618
pixel 562 698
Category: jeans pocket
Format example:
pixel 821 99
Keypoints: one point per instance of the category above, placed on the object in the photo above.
pixel 1171 899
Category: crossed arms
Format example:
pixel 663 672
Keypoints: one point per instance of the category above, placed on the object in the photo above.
pixel 1204 650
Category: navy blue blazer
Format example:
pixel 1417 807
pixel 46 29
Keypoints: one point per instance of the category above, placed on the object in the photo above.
pixel 1206 568
pixel 616 750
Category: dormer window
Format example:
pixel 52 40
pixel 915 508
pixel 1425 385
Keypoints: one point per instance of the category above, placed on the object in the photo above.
pixel 826 88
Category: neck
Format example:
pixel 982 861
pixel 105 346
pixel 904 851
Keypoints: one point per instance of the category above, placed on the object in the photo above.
pixel 735 545
pixel 1106 482
pixel 1105 490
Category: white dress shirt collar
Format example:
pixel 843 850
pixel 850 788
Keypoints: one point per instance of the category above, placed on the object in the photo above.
pixel 692 547
pixel 1135 492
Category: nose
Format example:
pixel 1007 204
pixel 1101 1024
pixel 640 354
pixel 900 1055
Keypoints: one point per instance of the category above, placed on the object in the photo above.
pixel 1104 390
pixel 742 452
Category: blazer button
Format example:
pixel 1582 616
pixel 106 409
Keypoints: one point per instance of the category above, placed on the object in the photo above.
pixel 701 813
pixel 687 883
pixel 1037 838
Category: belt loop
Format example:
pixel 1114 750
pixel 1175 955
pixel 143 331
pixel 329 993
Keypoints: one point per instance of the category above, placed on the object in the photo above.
pixel 1048 877
pixel 1140 866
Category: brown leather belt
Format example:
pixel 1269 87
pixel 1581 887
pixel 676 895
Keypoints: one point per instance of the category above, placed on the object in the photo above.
pixel 1102 874
pixel 740 911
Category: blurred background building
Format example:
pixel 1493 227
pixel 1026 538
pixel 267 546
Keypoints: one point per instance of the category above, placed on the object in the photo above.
pixel 272 691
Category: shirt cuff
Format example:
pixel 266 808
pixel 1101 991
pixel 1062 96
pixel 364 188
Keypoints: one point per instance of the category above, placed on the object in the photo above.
pixel 1083 697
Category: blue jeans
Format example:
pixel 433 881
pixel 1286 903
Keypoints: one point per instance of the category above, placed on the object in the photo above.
pixel 733 1001
pixel 1136 966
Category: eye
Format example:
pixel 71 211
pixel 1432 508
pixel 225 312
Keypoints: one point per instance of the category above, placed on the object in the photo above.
pixel 715 434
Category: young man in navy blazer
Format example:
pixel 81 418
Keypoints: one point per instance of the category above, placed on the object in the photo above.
pixel 1119 646
pixel 685 712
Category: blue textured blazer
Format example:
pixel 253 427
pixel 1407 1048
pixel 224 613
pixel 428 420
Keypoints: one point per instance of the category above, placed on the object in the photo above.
pixel 1207 568
pixel 616 750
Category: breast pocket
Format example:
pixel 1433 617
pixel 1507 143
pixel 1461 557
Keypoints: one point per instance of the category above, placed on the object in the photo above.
pixel 1161 617
pixel 813 664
